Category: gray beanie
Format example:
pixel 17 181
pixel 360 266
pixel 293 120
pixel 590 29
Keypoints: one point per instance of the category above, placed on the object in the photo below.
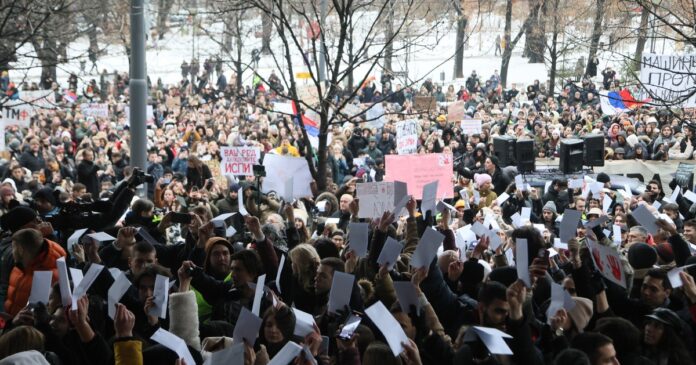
pixel 550 205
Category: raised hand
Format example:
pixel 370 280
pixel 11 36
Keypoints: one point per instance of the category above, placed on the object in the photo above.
pixel 124 320
pixel 454 270
pixel 515 297
pixel 386 220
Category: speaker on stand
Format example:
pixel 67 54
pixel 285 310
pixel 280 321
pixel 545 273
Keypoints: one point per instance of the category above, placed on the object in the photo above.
pixel 504 150
pixel 571 156
pixel 524 154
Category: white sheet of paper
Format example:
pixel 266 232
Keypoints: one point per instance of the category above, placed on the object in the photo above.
pixel 116 292
pixel 575 183
pixel 429 197
pixel 510 256
pixel 76 275
pixel 552 252
pixel 258 293
pixel 399 207
pixel 230 355
pixel 516 220
pixel 596 188
pixel 492 338
pixel 161 294
pixel 502 199
pixel 280 270
pixel 75 238
pixel 387 324
pixel 427 248
pixel 390 253
pixel 606 203
pixel 645 218
pixel 247 326
pixel 341 290
pixel 307 353
pixel 690 195
pixel 40 287
pixel 520 184
pixel 332 220
pixel 616 236
pixel 479 228
pixel 477 197
pixel 547 186
pixel 407 296
pixel 526 213
pixel 174 343
pixel 539 227
pixel 673 276
pixel 559 245
pixel 358 234
pixel 101 237
pixel 115 272
pixel 560 299
pixel 240 201
pixel 675 195
pixel 321 206
pixel 569 224
pixel 656 204
pixel 288 192
pixel 64 282
pixel 522 261
pixel 441 206
pixel 495 240
pixel 304 323
pixel 83 287
pixel 287 354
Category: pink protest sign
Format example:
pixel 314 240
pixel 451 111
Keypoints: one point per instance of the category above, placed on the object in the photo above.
pixel 419 170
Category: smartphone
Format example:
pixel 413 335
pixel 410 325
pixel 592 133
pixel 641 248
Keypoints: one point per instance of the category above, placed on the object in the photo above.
pixel 349 327
pixel 324 348
pixel 183 218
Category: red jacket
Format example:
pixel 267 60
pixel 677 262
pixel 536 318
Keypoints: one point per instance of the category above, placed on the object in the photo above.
pixel 20 279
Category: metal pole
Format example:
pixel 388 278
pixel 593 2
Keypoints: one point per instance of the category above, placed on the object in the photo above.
pixel 138 88
pixel 322 52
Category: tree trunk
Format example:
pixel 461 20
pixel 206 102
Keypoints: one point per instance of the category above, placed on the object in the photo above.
pixel 238 62
pixel 554 48
pixel 459 50
pixel 507 52
pixel 642 37
pixel 163 9
pixel 267 29
pixel 389 38
pixel 48 56
pixel 535 36
pixel 351 59
pixel 596 32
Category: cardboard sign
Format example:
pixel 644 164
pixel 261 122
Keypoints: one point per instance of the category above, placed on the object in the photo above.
pixel 280 168
pixel 608 262
pixel 455 111
pixel 378 197
pixel 669 78
pixel 422 103
pixel 418 170
pixel 239 161
pixel 407 137
pixel 19 115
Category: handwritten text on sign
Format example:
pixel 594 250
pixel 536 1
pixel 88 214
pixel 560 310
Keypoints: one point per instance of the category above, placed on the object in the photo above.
pixel 378 197
pixel 407 137
pixel 419 170
pixel 239 161
pixel 670 79
pixel 471 126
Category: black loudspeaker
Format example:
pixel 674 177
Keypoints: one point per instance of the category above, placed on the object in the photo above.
pixel 571 156
pixel 504 150
pixel 524 154
pixel 594 150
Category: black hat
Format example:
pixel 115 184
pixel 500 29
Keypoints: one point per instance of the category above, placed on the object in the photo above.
pixel 642 256
pixel 506 275
pixel 603 177
pixel 668 317
pixel 45 194
pixel 17 217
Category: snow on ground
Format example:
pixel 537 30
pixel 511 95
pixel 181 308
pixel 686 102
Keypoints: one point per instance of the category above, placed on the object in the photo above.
pixel 165 57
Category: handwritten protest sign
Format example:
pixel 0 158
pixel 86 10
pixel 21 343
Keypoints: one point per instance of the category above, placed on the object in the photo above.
pixel 19 115
pixel 424 103
pixel 455 111
pixel 419 170
pixel 96 110
pixel 407 137
pixel 669 79
pixel 239 161
pixel 377 197
pixel 375 116
pixel 471 126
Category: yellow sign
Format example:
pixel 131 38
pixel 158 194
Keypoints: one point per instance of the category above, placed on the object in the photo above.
pixel 303 75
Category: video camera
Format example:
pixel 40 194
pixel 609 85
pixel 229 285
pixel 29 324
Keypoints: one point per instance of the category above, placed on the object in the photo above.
pixel 140 177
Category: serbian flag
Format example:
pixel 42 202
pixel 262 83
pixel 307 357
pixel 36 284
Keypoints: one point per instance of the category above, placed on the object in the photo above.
pixel 310 120
pixel 70 96
pixel 615 102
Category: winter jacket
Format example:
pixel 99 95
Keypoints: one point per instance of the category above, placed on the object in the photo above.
pixel 32 162
pixel 31 357
pixel 128 351
pixel 21 278
pixel 87 175
pixel 183 318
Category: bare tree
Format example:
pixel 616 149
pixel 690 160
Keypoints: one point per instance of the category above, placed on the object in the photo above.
pixel 511 43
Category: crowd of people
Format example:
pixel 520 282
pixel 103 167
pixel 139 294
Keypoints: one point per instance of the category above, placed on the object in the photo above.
pixel 69 172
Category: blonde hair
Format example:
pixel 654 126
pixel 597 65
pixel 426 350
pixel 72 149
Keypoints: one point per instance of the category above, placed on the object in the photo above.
pixel 19 339
pixel 305 260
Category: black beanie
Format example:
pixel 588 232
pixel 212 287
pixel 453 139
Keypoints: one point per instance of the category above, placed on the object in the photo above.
pixel 506 275
pixel 642 256
pixel 17 217
pixel 603 178
pixel 45 194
